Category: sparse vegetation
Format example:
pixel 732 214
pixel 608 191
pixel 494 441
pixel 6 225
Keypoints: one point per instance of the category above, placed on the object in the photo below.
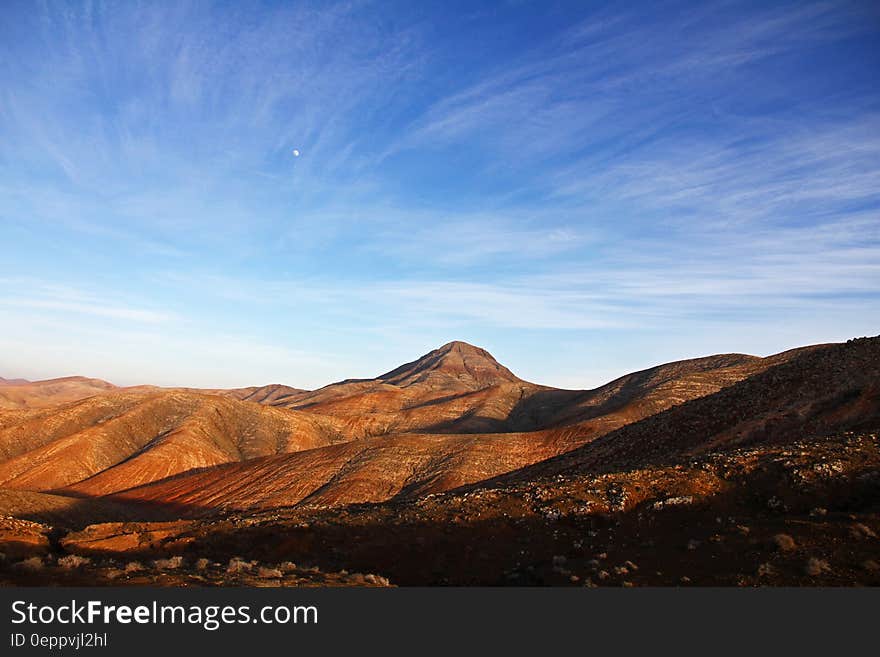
pixel 168 564
pixel 31 564
pixel 238 565
pixel 73 561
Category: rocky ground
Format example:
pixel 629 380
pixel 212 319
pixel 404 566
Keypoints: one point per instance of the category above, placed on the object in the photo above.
pixel 52 567
pixel 806 513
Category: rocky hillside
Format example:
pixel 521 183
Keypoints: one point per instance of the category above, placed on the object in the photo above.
pixel 110 442
pixel 823 390
pixel 400 465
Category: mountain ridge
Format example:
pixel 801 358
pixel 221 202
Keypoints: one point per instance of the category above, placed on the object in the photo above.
pixel 452 417
pixel 406 465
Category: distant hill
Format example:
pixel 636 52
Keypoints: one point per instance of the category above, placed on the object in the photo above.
pixel 12 382
pixel 18 393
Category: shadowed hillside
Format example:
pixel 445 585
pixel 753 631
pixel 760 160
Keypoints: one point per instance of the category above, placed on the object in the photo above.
pixel 730 469
pixel 838 382
pixel 828 389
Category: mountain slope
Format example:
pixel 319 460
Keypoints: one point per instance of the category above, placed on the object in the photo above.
pixel 460 388
pixel 113 441
pixel 13 382
pixel 274 394
pixel 833 387
pixel 20 393
pixel 457 388
pixel 827 389
pixel 456 364
pixel 643 393
pixel 369 470
pixel 40 394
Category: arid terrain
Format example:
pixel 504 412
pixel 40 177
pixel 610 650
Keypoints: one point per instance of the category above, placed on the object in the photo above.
pixel 724 470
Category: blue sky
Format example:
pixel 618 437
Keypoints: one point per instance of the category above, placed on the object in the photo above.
pixel 584 189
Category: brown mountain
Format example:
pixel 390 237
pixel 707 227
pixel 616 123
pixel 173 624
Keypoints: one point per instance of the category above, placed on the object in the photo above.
pixel 819 391
pixel 473 409
pixel 109 442
pixel 453 366
pixel 404 465
pixel 460 388
pixel 457 388
pixel 728 469
pixel 368 470
pixel 640 394
pixel 13 382
pixel 275 394
pixel 17 393
pixel 21 393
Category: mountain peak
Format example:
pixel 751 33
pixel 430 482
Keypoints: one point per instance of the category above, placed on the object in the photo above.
pixel 456 360
pixel 462 347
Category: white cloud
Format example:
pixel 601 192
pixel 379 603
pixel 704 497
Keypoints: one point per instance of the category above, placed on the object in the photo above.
pixel 61 299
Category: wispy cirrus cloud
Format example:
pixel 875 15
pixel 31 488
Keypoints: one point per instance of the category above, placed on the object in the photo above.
pixel 577 89
pixel 775 173
pixel 35 294
pixel 520 176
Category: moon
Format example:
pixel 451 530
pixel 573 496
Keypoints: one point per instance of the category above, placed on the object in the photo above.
pixel 295 153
